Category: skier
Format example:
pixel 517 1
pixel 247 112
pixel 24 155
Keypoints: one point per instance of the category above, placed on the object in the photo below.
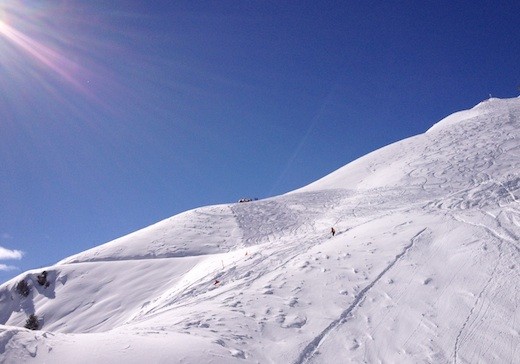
pixel 333 231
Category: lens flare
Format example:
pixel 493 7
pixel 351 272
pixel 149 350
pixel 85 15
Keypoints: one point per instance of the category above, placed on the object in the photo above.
pixel 45 55
pixel 28 31
pixel 61 53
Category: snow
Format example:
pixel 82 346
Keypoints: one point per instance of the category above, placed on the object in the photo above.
pixel 424 267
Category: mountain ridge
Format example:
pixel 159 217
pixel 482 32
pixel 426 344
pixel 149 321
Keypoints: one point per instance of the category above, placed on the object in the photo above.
pixel 424 266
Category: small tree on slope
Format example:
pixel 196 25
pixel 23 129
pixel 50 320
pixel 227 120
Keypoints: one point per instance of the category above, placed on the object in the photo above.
pixel 32 322
pixel 23 288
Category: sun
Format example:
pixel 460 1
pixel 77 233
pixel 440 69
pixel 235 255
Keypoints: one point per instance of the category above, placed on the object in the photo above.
pixel 25 32
pixel 63 49
pixel 37 50
pixel 5 11
pixel 3 25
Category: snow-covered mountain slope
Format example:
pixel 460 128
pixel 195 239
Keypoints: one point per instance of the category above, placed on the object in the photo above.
pixel 464 150
pixel 424 267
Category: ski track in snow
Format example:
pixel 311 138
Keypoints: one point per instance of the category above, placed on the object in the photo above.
pixel 314 345
pixel 264 282
pixel 505 237
pixel 266 261
pixel 476 306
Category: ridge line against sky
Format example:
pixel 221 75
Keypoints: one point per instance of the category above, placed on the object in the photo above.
pixel 115 116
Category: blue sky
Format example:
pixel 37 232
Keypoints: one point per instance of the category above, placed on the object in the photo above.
pixel 115 115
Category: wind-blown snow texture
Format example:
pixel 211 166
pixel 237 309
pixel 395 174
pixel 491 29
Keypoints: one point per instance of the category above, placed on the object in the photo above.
pixel 424 267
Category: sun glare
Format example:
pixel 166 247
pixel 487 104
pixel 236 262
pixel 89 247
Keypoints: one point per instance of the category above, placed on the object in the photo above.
pixel 43 54
pixel 2 23
pixel 45 42
pixel 60 50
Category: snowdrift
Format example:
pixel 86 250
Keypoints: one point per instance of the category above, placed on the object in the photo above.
pixel 424 267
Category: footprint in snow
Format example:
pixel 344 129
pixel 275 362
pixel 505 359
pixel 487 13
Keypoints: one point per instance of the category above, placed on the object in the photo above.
pixel 290 321
pixel 247 274
pixel 220 342
pixel 297 289
pixel 280 319
pixel 294 321
pixel 304 265
pixel 237 353
pixel 354 345
pixel 293 301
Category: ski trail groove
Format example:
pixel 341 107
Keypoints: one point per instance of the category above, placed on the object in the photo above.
pixel 311 348
pixel 458 339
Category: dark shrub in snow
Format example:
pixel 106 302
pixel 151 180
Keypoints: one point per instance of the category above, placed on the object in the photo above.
pixel 32 322
pixel 23 288
pixel 42 279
